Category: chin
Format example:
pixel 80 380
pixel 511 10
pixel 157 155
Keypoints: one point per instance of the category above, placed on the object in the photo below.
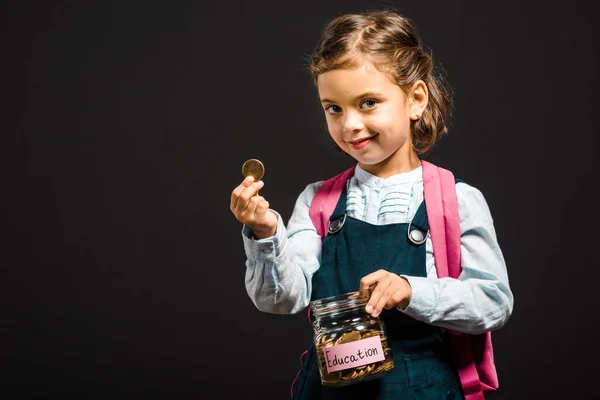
pixel 366 160
pixel 369 165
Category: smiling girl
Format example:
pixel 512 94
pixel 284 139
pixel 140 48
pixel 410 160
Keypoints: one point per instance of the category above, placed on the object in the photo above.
pixel 385 107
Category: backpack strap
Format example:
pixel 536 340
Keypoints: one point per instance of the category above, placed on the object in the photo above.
pixel 473 354
pixel 442 213
pixel 324 202
pixel 326 198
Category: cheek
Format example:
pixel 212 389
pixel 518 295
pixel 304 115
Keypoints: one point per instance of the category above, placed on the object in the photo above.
pixel 334 129
pixel 384 122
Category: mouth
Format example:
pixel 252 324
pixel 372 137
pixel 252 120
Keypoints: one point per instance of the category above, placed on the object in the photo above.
pixel 361 143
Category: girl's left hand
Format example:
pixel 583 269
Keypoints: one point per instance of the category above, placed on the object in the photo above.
pixel 390 290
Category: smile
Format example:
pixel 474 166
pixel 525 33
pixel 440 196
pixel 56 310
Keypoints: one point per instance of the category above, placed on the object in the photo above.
pixel 361 143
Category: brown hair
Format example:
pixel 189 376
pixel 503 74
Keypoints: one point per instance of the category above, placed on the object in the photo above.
pixel 391 43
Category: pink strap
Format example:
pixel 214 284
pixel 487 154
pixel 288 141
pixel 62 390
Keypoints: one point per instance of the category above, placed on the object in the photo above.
pixel 432 186
pixel 444 222
pixel 444 228
pixel 295 382
pixel 326 199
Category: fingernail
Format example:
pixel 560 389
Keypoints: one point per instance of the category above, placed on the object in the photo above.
pixel 248 181
pixel 369 308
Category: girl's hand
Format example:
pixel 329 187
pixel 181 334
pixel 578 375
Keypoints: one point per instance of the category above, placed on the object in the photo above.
pixel 253 210
pixel 390 290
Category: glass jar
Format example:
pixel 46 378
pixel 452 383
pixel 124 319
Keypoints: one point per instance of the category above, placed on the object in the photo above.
pixel 351 345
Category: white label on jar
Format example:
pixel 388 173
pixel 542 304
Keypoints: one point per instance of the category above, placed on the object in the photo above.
pixel 353 354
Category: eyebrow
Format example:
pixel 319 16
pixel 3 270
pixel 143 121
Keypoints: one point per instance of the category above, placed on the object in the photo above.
pixel 366 94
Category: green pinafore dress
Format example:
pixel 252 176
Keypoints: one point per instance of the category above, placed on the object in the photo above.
pixel 422 359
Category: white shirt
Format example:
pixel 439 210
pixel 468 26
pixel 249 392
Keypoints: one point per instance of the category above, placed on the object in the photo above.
pixel 279 269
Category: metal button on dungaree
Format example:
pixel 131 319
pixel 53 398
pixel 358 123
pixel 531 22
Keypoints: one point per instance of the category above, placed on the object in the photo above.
pixel 336 225
pixel 416 236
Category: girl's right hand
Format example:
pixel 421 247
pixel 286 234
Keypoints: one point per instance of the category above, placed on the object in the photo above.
pixel 252 209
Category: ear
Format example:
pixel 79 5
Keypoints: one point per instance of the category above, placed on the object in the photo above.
pixel 417 98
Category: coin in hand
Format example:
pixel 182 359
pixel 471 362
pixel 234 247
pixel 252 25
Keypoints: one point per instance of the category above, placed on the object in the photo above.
pixel 253 168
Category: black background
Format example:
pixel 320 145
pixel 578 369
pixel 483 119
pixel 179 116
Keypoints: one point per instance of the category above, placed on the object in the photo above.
pixel 126 125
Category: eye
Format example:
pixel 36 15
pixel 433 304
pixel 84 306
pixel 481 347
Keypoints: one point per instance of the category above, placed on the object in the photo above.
pixel 333 109
pixel 369 103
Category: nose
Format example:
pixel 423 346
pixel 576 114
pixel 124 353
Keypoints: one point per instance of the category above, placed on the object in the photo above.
pixel 352 123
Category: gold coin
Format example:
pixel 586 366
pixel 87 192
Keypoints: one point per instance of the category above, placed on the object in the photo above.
pixel 254 168
pixel 348 337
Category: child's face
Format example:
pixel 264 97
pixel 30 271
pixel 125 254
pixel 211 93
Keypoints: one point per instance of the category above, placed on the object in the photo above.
pixel 368 116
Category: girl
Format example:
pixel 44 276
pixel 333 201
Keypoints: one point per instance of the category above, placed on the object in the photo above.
pixel 384 107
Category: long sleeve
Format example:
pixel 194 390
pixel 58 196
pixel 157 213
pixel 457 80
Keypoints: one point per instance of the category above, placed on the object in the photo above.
pixel 279 269
pixel 480 299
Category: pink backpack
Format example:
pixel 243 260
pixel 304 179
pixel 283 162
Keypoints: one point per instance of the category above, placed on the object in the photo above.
pixel 473 354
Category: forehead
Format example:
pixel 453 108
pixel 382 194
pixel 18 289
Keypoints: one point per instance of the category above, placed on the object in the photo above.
pixel 343 84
